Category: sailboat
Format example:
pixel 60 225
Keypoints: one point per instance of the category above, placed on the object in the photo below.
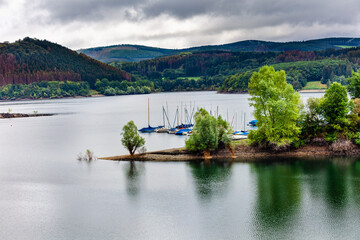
pixel 149 128
pixel 243 134
pixel 164 129
pixel 185 129
pixel 174 129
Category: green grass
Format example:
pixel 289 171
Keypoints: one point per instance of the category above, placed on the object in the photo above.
pixel 314 86
pixel 189 78
pixel 344 46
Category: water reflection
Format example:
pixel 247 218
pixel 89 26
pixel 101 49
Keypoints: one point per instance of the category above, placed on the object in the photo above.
pixel 336 185
pixel 210 178
pixel 282 190
pixel 355 183
pixel 133 173
pixel 278 194
pixel 329 181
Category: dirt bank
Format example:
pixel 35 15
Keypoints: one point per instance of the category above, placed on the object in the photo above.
pixel 243 153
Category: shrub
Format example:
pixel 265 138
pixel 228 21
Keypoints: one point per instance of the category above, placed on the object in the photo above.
pixel 109 91
pixel 331 137
pixel 357 138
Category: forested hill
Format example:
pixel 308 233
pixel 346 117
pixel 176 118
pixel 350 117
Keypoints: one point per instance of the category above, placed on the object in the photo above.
pixel 31 60
pixel 126 53
pixel 135 53
pixel 231 71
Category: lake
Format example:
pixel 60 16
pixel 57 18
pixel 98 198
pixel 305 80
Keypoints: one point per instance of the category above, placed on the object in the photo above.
pixel 46 193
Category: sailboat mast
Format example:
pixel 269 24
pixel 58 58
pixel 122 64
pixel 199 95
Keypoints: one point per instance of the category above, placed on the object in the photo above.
pixel 244 120
pixel 181 109
pixel 163 116
pixel 177 113
pixel 148 111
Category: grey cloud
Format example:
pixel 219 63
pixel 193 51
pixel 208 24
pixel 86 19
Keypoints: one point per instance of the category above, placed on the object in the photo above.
pixel 226 19
pixel 276 11
pixel 180 9
pixel 84 10
pixel 248 12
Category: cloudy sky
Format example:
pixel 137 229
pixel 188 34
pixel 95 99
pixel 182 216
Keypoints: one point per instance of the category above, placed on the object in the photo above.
pixel 176 23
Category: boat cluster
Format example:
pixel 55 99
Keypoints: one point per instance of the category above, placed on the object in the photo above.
pixel 186 128
pixel 182 129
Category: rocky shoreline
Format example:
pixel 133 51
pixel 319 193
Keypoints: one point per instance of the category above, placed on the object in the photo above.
pixel 23 115
pixel 243 153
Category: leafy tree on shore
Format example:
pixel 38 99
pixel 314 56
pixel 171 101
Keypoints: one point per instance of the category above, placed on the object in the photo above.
pixel 205 134
pixel 354 84
pixel 276 107
pixel 331 117
pixel 336 106
pixel 131 139
pixel 312 120
pixel 209 133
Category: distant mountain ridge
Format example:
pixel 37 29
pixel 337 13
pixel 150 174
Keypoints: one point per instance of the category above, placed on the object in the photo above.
pixel 136 53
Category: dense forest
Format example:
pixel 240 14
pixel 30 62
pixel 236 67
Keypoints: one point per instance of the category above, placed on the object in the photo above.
pixel 30 60
pixel 231 71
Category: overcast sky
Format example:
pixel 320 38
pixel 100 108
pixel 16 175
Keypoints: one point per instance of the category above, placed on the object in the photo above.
pixel 176 23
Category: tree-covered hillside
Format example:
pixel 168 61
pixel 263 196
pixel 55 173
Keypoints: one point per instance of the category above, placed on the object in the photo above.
pixel 135 53
pixel 125 53
pixel 31 60
pixel 220 69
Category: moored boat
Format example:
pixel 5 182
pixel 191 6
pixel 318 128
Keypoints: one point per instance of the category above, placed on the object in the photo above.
pixel 150 129
pixel 162 130
pixel 238 135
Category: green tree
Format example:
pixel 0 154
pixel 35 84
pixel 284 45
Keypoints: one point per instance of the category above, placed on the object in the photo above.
pixel 312 121
pixel 336 105
pixel 354 84
pixel 209 134
pixel 223 132
pixel 131 138
pixel 276 107
pixel 205 136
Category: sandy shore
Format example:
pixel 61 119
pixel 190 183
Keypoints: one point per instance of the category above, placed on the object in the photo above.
pixel 243 153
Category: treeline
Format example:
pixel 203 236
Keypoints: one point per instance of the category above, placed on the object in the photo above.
pixel 30 60
pixel 298 74
pixel 44 89
pixel 112 88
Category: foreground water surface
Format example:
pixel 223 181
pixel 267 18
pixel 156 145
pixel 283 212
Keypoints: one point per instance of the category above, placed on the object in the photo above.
pixel 47 194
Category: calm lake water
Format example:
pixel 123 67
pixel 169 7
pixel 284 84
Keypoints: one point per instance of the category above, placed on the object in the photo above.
pixel 45 193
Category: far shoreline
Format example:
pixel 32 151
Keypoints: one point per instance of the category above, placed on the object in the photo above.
pixel 102 95
pixel 299 91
